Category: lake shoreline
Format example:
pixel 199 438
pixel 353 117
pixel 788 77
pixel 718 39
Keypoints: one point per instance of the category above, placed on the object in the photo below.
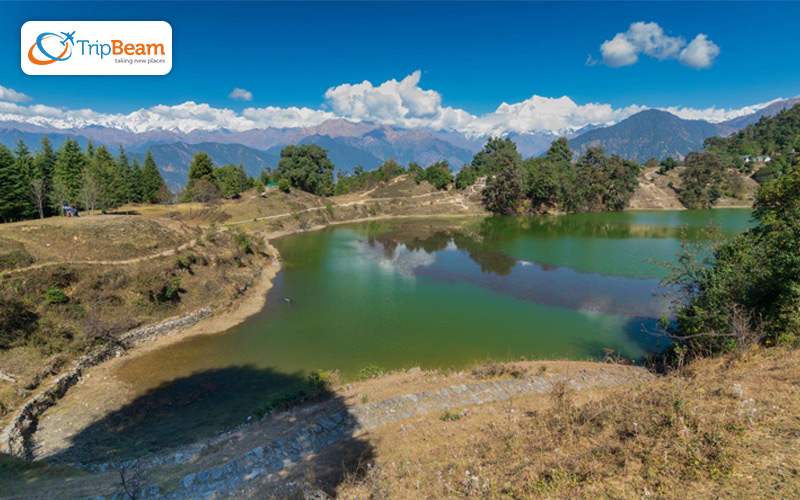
pixel 105 392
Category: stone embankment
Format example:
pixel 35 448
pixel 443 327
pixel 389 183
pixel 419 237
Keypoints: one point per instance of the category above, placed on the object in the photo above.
pixel 238 475
pixel 14 438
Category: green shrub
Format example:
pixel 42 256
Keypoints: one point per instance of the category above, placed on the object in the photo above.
pixel 284 185
pixel 371 371
pixel 280 401
pixel 56 296
pixel 185 261
pixel 320 380
pixel 243 243
pixel 451 416
pixel 317 387
pixel 169 292
pixel 745 290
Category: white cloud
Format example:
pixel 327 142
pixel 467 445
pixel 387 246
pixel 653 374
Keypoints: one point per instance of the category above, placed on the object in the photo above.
pixel 272 116
pixel 400 103
pixel 619 51
pixel 11 95
pixel 651 40
pixel 700 53
pixel 241 94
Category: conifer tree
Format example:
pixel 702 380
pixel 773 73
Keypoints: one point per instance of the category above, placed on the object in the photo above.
pixel 44 161
pixel 69 168
pixel 151 179
pixel 136 181
pixel 125 174
pixel 89 149
pixel 13 187
pixel 23 164
pixel 44 164
pixel 104 171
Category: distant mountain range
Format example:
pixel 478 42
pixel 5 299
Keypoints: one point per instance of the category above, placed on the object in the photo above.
pixel 647 134
pixel 650 133
pixel 771 110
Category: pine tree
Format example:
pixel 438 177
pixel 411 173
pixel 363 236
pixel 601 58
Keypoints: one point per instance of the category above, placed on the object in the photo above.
pixel 13 188
pixel 104 171
pixel 201 167
pixel 151 179
pixel 136 182
pixel 89 149
pixel 44 164
pixel 23 164
pixel 125 173
pixel 69 168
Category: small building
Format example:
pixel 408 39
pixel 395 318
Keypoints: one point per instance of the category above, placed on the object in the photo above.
pixel 756 159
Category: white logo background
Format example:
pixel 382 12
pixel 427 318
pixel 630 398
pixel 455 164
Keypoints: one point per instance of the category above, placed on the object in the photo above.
pixel 93 38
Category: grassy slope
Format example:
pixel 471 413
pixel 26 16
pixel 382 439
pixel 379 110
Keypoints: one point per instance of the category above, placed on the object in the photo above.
pixel 134 258
pixel 727 428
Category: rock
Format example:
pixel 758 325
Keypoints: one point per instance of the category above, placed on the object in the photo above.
pixel 187 480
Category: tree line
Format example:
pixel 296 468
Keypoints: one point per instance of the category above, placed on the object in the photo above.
pixel 545 184
pixel 551 183
pixel 38 184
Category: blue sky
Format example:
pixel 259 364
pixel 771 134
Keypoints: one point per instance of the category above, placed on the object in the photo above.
pixel 474 55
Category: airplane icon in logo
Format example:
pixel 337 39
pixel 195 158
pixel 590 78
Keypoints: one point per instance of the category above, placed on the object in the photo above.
pixel 68 38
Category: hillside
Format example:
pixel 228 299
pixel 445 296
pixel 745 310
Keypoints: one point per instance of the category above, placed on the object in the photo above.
pixel 648 134
pixel 721 427
pixel 777 135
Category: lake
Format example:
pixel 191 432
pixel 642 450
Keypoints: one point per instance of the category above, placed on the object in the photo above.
pixel 430 293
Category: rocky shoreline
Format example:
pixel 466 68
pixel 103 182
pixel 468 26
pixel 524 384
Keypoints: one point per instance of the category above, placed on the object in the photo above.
pixel 14 438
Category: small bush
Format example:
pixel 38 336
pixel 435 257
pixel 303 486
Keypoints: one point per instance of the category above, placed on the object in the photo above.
pixel 451 416
pixel 243 243
pixel 284 185
pixel 185 262
pixel 321 380
pixel 56 296
pixel 368 372
pixel 169 292
pixel 280 401
pixel 329 208
pixel 317 387
pixel 493 370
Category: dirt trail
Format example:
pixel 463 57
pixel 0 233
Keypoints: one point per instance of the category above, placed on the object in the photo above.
pixel 136 260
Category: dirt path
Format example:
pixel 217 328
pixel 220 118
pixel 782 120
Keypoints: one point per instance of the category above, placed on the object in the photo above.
pixel 451 199
pixel 165 253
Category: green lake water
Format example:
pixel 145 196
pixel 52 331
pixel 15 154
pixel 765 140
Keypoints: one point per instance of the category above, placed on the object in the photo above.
pixel 435 294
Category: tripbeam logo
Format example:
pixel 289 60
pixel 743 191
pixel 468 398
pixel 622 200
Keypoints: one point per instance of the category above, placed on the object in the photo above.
pixel 96 48
pixel 46 58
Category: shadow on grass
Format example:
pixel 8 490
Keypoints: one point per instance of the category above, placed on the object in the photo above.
pixel 198 407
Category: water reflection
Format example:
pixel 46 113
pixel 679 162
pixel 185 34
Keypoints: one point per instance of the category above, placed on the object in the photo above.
pixel 413 251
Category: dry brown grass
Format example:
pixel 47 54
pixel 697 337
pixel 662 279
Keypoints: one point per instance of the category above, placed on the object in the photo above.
pixel 728 429
pixel 107 300
pixel 100 238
